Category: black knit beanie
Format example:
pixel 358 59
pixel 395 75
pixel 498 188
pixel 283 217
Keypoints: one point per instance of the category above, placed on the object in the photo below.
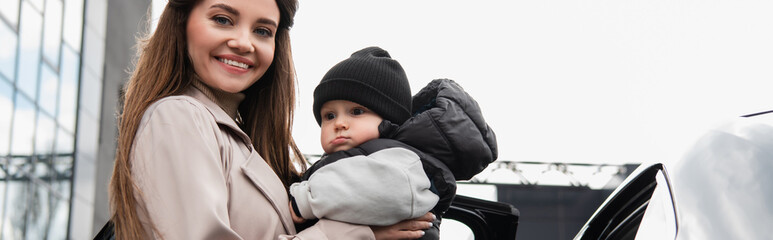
pixel 371 78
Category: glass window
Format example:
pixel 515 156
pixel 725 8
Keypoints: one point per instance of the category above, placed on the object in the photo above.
pixel 60 213
pixel 38 4
pixel 23 127
pixel 10 11
pixel 62 166
pixel 68 91
pixel 49 86
pixel 61 185
pixel 3 164
pixel 62 163
pixel 29 50
pixel 8 51
pixel 17 168
pixel 15 207
pixel 64 143
pixel 42 168
pixel 73 23
pixel 44 136
pixel 52 35
pixel 3 177
pixel 6 114
pixel 44 146
pixel 39 212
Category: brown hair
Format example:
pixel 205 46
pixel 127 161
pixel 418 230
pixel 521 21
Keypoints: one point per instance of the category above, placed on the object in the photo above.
pixel 163 68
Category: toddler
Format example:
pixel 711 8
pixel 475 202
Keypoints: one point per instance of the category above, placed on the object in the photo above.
pixel 388 156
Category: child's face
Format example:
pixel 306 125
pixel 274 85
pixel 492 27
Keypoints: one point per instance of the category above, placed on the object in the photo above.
pixel 231 42
pixel 346 124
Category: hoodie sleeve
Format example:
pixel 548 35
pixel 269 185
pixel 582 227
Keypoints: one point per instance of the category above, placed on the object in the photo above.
pixel 379 189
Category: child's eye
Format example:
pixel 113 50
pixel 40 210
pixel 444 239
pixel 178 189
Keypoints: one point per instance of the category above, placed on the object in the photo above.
pixel 221 20
pixel 329 116
pixel 358 111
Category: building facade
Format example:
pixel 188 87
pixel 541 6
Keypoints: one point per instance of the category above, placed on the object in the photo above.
pixel 62 65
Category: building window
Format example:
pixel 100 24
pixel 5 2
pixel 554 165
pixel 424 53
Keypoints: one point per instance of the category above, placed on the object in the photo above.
pixel 39 74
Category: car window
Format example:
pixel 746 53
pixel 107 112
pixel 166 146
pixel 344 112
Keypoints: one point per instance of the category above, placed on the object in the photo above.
pixel 627 227
pixel 659 221
pixel 620 217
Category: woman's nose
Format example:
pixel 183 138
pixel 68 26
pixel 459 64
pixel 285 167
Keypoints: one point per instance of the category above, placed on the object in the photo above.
pixel 241 42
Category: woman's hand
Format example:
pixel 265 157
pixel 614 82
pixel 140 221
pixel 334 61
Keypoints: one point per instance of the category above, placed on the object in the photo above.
pixel 407 229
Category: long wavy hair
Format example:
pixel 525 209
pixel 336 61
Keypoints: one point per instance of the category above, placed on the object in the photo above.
pixel 163 68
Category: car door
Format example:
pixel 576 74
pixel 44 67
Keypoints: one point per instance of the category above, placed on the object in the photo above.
pixel 488 220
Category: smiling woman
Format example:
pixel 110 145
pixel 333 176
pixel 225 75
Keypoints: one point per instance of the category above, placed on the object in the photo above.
pixel 191 112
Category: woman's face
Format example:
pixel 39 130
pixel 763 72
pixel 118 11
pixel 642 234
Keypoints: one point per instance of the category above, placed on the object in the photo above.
pixel 231 42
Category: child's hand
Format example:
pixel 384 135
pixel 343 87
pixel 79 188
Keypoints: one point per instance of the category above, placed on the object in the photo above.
pixel 296 219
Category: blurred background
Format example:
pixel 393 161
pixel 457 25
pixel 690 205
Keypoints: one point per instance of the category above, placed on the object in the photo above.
pixel 578 92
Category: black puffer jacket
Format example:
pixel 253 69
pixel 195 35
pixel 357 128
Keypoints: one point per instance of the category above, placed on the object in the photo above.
pixel 447 124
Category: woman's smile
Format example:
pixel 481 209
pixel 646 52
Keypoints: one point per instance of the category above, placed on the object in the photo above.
pixel 234 64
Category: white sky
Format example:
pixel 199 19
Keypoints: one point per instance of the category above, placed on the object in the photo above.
pixel 600 81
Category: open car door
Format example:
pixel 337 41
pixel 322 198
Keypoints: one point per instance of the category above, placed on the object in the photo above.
pixel 488 220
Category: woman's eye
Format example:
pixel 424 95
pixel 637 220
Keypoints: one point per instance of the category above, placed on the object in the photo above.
pixel 329 116
pixel 357 111
pixel 221 20
pixel 263 32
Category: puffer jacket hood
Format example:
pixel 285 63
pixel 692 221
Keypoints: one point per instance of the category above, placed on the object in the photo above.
pixel 447 124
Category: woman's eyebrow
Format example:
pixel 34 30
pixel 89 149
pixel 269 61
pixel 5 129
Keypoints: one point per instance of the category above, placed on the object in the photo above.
pixel 226 8
pixel 267 22
pixel 236 13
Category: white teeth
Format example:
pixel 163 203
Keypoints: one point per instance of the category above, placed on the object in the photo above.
pixel 233 63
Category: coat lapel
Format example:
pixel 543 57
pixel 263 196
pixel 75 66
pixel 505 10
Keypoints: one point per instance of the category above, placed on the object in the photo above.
pixel 266 181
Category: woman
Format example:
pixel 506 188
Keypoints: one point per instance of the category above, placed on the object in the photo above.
pixel 215 79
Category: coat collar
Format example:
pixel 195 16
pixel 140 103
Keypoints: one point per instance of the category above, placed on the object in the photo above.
pixel 255 168
pixel 221 117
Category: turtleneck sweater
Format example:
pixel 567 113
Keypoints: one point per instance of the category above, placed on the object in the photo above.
pixel 229 102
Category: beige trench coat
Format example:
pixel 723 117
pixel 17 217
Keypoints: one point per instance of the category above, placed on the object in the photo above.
pixel 200 178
